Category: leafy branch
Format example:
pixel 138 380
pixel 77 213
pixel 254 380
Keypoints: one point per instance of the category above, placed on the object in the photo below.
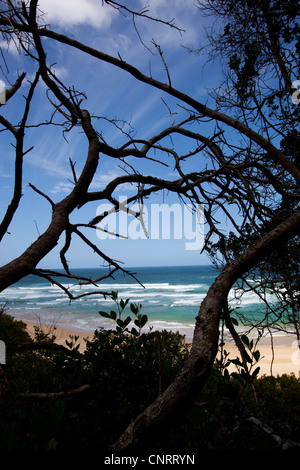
pixel 245 365
pixel 122 325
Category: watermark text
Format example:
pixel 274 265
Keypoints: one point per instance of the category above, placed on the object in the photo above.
pixel 296 93
pixel 2 93
pixel 156 221
pixel 2 352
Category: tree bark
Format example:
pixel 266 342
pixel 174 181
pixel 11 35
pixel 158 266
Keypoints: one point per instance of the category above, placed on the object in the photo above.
pixel 204 349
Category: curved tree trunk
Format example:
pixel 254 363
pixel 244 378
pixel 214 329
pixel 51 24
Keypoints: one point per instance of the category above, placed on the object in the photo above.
pixel 205 342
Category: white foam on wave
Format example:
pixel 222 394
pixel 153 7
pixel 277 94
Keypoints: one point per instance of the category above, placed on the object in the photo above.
pixel 238 298
pixel 159 300
pixel 194 300
pixel 159 286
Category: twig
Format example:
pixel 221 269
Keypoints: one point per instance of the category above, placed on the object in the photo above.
pixel 157 46
pixel 52 396
pixel 41 193
pixel 104 256
pixel 73 170
pixel 143 13
pixel 39 345
pixel 66 290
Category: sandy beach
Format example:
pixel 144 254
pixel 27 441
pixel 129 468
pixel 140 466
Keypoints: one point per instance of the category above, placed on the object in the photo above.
pixel 283 357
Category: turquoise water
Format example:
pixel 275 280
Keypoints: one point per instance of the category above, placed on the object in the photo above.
pixel 170 296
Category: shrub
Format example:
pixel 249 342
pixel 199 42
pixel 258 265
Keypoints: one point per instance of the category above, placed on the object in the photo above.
pixel 126 370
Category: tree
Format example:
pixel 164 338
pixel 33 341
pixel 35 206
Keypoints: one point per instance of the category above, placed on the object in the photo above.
pixel 255 83
pixel 241 166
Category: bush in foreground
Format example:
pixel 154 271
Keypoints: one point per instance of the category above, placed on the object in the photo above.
pixel 57 398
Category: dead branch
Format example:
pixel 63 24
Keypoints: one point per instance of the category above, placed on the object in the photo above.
pixel 19 136
pixel 55 395
pixel 41 345
pixel 67 291
pixel 15 87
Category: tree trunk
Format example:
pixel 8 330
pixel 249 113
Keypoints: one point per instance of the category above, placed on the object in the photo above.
pixel 194 374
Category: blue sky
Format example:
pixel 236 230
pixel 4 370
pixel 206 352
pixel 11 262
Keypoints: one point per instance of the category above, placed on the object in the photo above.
pixel 111 93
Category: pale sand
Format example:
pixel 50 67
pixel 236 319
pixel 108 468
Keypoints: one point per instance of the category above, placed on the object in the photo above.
pixel 284 358
pixel 61 334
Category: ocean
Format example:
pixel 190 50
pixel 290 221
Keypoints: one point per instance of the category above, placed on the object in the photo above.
pixel 170 297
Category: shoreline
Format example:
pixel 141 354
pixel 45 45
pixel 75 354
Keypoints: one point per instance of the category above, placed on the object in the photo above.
pixel 283 358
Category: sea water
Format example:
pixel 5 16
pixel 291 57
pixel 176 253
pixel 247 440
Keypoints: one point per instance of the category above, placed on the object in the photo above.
pixel 170 297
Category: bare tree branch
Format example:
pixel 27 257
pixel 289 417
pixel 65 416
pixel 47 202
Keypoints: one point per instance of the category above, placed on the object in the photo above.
pixel 19 135
pixel 55 395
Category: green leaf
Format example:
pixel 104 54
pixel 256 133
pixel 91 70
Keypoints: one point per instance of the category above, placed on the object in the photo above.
pixel 114 295
pixel 127 321
pixel 104 314
pixel 256 355
pixel 255 373
pixel 245 340
pixel 134 332
pixel 113 314
pixel 236 361
pixel 134 308
pixel 123 303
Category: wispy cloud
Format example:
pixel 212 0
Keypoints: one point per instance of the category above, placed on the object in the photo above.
pixel 10 46
pixel 76 12
pixel 100 181
pixel 62 187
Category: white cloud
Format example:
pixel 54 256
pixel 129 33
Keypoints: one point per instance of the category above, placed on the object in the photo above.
pixel 75 12
pixel 62 187
pixel 102 179
pixel 10 46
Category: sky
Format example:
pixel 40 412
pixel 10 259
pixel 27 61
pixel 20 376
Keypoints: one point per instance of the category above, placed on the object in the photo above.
pixel 111 93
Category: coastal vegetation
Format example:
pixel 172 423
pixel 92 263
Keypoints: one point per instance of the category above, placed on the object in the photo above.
pixel 233 152
pixel 58 398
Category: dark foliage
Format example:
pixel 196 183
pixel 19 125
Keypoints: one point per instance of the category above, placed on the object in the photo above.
pixel 125 373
